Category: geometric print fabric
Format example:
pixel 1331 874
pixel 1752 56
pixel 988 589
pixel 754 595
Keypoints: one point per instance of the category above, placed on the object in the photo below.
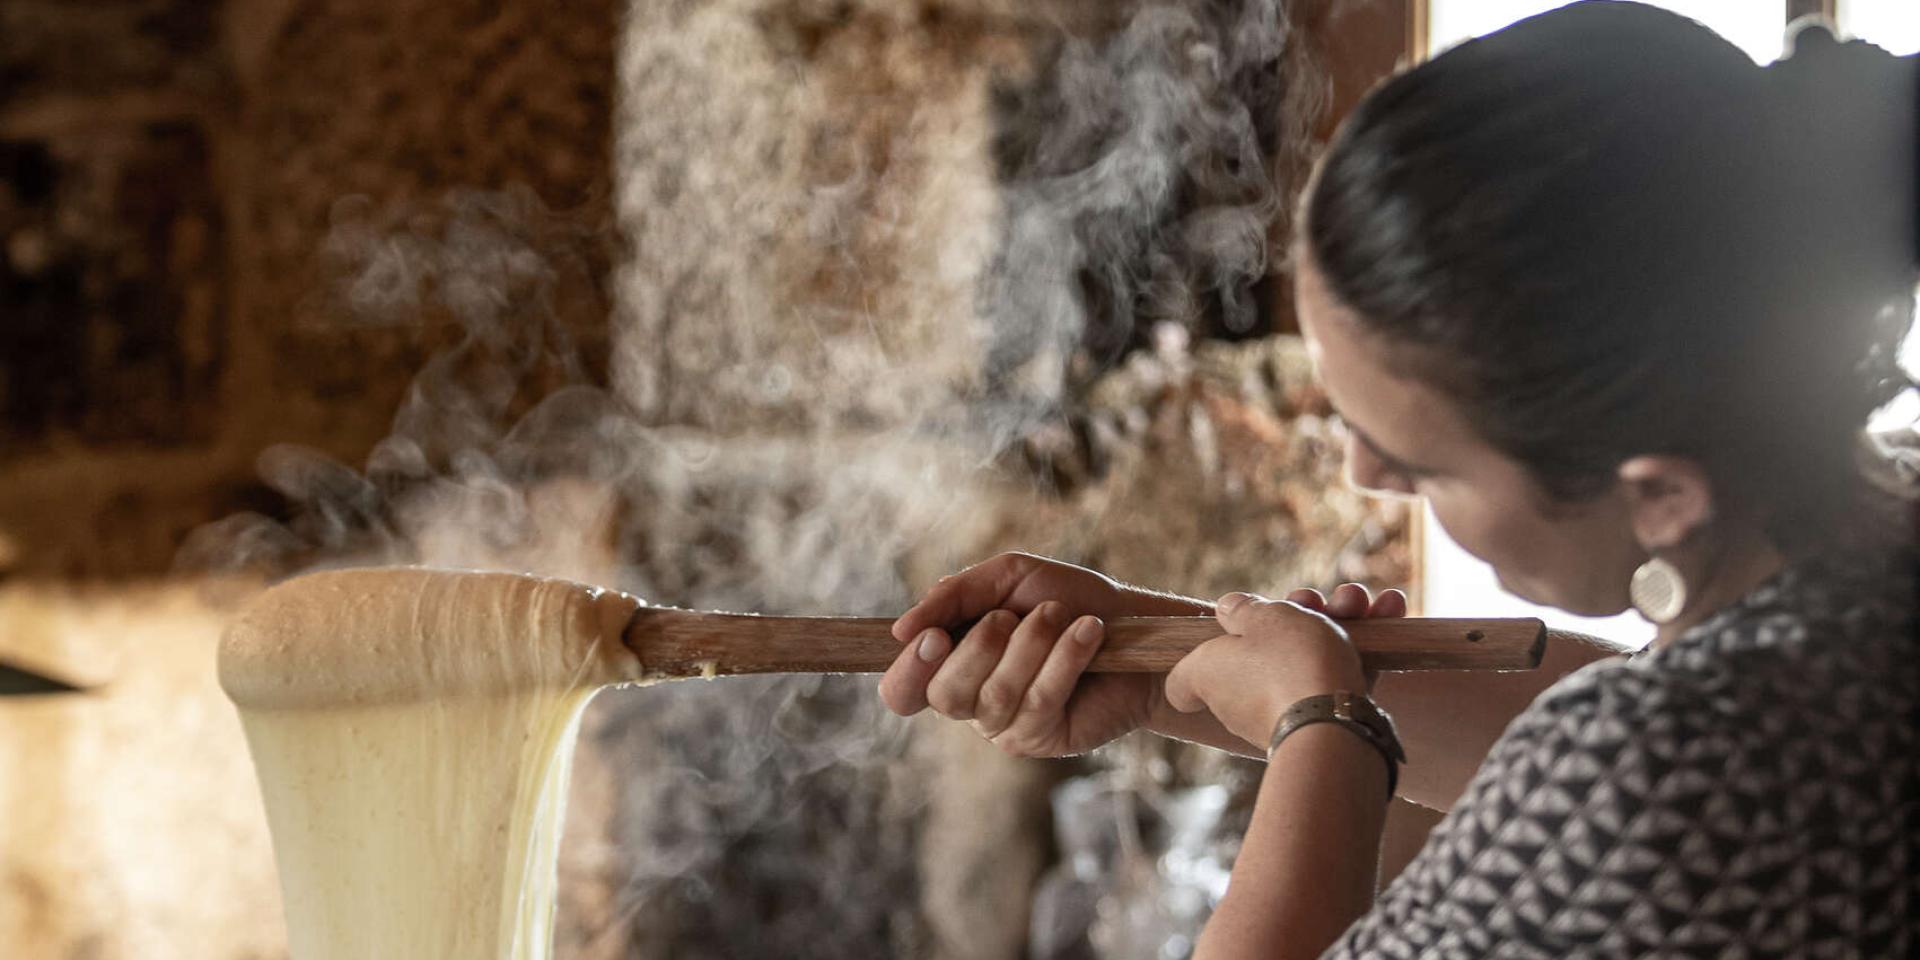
pixel 1747 791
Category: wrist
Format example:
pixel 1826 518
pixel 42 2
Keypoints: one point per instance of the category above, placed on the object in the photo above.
pixel 1356 714
pixel 1286 696
pixel 1337 757
pixel 1202 728
pixel 1142 602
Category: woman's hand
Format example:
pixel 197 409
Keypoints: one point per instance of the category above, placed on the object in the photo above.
pixel 1274 654
pixel 1018 675
pixel 1351 601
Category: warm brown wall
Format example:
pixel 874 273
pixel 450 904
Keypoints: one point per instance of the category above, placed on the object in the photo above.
pixel 168 171
pixel 1359 42
pixel 1354 44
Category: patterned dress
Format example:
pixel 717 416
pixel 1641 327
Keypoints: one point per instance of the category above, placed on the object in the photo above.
pixel 1747 791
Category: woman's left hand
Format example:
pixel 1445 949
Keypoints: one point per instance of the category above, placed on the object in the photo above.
pixel 1274 653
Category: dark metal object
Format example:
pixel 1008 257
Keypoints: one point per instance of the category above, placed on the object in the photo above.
pixel 17 681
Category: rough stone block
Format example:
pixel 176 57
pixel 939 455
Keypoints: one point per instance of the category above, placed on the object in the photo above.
pixel 66 49
pixel 111 283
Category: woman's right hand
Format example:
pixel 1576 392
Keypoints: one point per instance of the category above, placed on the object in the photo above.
pixel 1018 675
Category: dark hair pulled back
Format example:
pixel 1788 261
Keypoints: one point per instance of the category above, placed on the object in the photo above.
pixel 1606 232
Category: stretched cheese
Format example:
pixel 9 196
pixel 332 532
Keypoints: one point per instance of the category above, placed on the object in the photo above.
pixel 378 635
pixel 413 733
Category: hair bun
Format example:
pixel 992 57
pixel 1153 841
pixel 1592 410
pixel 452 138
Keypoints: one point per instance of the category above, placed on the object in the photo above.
pixel 1845 77
pixel 1845 111
pixel 1808 33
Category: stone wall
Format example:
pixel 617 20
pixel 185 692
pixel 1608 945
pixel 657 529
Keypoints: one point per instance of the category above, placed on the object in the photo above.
pixel 169 174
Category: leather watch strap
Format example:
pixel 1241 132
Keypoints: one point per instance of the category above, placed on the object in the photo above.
pixel 1357 713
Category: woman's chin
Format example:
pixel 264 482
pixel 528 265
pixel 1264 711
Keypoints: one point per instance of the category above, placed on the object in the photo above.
pixel 1516 589
pixel 1539 598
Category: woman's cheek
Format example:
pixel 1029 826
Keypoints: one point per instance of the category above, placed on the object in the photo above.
pixel 1524 549
pixel 1471 522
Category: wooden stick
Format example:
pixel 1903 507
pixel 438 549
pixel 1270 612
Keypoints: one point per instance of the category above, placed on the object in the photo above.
pixel 686 643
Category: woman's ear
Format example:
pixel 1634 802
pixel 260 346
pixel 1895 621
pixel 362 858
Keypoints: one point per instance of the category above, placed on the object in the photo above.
pixel 1668 499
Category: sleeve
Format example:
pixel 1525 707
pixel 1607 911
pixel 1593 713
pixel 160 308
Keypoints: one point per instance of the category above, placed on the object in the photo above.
pixel 1600 824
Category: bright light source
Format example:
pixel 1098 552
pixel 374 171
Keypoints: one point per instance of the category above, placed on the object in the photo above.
pixel 1904 411
pixel 1756 26
pixel 1893 24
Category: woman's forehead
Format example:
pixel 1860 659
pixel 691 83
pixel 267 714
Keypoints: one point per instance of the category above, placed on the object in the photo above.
pixel 1332 340
pixel 1402 415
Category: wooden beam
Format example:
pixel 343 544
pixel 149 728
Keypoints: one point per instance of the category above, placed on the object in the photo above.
pixel 1418 34
pixel 1824 8
pixel 1360 43
pixel 1354 44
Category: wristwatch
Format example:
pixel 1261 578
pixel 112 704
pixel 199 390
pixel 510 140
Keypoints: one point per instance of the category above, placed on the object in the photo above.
pixel 1356 712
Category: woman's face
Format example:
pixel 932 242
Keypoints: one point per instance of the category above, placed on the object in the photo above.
pixel 1406 439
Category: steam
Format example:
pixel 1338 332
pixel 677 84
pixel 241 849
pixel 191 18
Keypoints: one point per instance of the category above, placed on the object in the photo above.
pixel 833 318
pixel 504 455
pixel 1139 873
pixel 498 437
pixel 1141 188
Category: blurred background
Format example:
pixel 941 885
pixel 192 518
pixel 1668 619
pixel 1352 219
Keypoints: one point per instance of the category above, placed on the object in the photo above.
pixel 774 305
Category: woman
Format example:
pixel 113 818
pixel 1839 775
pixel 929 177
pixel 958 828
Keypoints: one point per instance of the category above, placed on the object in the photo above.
pixel 1617 303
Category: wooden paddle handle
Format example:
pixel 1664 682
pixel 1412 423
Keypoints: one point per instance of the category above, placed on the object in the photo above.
pixel 685 643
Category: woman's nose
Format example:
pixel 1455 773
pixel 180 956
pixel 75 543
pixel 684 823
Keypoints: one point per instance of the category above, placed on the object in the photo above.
pixel 1365 472
pixel 1362 470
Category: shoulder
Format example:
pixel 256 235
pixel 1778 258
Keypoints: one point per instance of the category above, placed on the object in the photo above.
pixel 1614 712
pixel 1641 805
pixel 1727 790
pixel 1826 652
pixel 1633 808
pixel 1632 757
pixel 1811 701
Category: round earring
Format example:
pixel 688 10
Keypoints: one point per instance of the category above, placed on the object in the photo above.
pixel 1658 590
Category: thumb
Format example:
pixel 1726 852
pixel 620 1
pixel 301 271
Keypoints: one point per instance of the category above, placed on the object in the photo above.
pixel 1245 614
pixel 1180 690
pixel 1237 612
